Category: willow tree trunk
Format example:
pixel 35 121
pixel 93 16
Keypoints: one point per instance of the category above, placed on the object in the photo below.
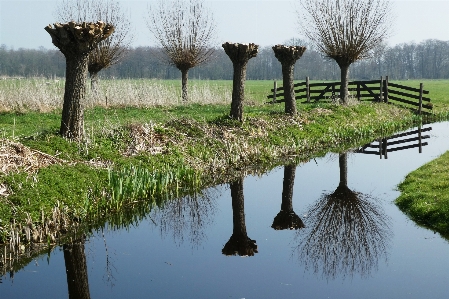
pixel 289 92
pixel 344 92
pixel 343 163
pixel 76 270
pixel 94 82
pixel 287 187
pixel 239 243
pixel 238 91
pixel 184 81
pixel 239 54
pixel 288 56
pixel 287 218
pixel 72 121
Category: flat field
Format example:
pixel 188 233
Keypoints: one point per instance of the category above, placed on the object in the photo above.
pixel 42 95
pixel 438 92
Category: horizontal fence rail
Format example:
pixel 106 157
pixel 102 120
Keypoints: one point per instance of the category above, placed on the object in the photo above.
pixel 375 90
pixel 396 143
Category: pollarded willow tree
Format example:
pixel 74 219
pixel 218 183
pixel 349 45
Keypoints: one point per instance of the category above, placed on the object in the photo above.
pixel 239 54
pixel 113 49
pixel 287 56
pixel 185 31
pixel 345 30
pixel 76 41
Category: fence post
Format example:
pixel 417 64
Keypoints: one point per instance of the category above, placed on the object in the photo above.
pixel 419 137
pixel 274 91
pixel 380 148
pixel 358 91
pixel 381 90
pixel 420 98
pixel 307 90
pixel 386 89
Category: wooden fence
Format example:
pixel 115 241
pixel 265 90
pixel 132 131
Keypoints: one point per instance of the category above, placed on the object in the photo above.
pixel 375 90
pixel 396 143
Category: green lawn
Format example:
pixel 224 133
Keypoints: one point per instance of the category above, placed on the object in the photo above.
pixel 425 195
pixel 438 92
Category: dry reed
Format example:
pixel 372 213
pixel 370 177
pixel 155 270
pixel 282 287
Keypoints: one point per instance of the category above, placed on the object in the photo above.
pixel 42 95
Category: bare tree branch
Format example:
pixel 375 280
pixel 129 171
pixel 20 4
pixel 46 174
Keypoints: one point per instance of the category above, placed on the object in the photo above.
pixel 347 232
pixel 113 49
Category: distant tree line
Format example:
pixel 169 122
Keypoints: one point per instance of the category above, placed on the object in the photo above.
pixel 426 60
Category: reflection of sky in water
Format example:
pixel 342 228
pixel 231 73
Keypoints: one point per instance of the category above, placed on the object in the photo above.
pixel 148 266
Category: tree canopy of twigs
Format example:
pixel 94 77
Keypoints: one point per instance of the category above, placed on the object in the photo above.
pixel 187 216
pixel 185 31
pixel 347 232
pixel 111 50
pixel 345 30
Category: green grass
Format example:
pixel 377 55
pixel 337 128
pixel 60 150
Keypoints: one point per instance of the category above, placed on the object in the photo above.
pixel 438 92
pixel 425 197
pixel 202 146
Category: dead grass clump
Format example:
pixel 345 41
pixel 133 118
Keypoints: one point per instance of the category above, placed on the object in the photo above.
pixel 321 111
pixel 144 138
pixel 15 157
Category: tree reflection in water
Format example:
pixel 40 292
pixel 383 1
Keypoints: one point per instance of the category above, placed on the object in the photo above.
pixel 287 218
pixel 188 215
pixel 76 270
pixel 239 243
pixel 348 232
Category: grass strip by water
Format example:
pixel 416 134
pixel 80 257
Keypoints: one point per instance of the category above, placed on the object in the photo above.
pixel 126 162
pixel 425 197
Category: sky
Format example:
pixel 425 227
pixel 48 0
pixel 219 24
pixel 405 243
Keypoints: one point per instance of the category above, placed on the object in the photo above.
pixel 264 22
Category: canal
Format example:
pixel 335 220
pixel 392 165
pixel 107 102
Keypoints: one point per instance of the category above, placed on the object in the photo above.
pixel 327 228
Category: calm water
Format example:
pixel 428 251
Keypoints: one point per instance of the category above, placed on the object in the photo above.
pixel 358 247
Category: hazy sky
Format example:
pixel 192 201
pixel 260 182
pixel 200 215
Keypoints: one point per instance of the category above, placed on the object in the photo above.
pixel 262 22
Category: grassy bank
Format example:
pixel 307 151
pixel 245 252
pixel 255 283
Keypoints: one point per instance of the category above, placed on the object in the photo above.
pixel 425 197
pixel 140 154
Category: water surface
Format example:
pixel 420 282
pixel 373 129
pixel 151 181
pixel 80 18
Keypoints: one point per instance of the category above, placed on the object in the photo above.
pixel 358 248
